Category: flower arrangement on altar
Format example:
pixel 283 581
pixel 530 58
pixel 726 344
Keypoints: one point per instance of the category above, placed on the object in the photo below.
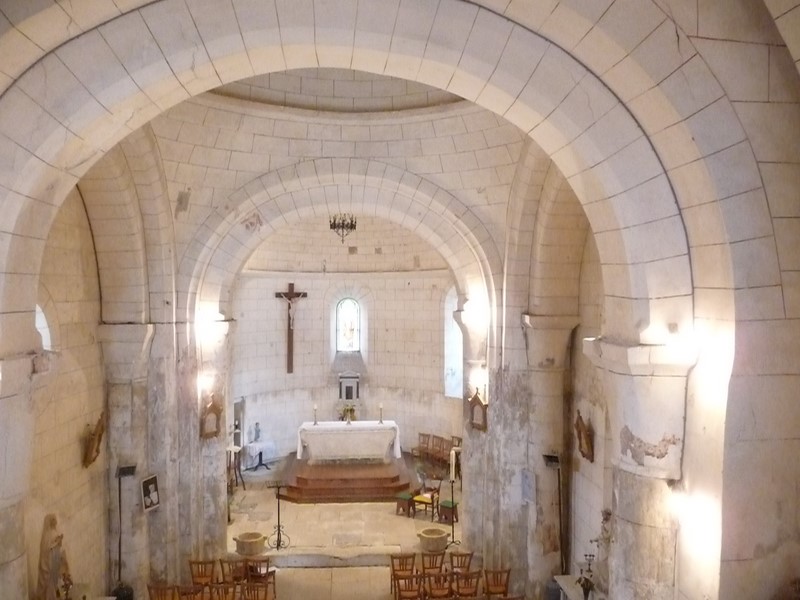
pixel 66 587
pixel 347 412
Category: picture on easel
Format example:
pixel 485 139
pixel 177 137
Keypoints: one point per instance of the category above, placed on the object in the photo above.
pixel 211 419
pixel 150 498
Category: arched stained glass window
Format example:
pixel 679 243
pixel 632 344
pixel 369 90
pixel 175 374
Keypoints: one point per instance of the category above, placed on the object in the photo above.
pixel 348 330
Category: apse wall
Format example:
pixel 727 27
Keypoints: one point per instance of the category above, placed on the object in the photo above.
pixel 402 315
pixel 67 400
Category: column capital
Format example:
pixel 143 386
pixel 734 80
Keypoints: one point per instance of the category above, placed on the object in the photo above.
pixel 550 322
pixel 646 391
pixel 547 338
pixel 640 359
pixel 126 348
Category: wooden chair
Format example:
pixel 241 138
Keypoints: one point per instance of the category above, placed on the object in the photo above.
pixel 422 448
pixel 443 455
pixel 255 591
pixel 428 497
pixel 437 443
pixel 158 591
pixel 432 562
pixel 400 565
pixel 460 561
pixel 437 585
pixel 259 570
pixel 495 582
pixel 409 587
pixel 202 571
pixel 190 592
pixel 233 570
pixel 224 591
pixel 467 584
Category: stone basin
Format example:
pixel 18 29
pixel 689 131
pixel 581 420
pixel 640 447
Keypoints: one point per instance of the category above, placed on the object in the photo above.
pixel 433 539
pixel 249 543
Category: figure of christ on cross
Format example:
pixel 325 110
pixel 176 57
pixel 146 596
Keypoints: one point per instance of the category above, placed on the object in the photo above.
pixel 291 298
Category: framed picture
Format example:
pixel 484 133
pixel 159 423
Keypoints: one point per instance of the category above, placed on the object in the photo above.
pixel 92 441
pixel 211 419
pixel 150 498
pixel 477 411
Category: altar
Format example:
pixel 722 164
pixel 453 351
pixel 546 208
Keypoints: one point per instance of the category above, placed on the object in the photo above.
pixel 373 441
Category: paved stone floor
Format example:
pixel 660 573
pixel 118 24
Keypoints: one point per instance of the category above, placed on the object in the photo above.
pixel 335 551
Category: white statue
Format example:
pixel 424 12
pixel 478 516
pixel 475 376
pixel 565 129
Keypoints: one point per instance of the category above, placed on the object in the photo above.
pixel 54 578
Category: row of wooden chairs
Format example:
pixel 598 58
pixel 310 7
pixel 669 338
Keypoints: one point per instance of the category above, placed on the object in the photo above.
pixel 486 584
pixel 217 591
pixel 435 448
pixel 405 563
pixel 433 579
pixel 254 574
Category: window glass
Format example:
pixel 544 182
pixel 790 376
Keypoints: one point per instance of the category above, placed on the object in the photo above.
pixel 347 326
pixel 453 349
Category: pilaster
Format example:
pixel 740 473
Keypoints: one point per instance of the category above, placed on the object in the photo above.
pixel 16 454
pixel 547 345
pixel 126 350
pixel 646 387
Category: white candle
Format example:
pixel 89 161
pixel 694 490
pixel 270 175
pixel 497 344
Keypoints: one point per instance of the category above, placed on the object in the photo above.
pixel 452 464
pixel 315 408
pixel 380 405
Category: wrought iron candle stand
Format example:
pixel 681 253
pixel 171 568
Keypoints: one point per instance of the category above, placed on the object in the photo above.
pixel 453 541
pixel 278 538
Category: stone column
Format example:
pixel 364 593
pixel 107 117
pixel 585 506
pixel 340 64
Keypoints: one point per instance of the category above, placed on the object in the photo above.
pixel 474 466
pixel 547 346
pixel 646 391
pixel 213 358
pixel 16 454
pixel 162 459
pixel 126 350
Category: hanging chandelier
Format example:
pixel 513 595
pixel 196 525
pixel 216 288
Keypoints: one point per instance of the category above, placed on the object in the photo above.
pixel 343 224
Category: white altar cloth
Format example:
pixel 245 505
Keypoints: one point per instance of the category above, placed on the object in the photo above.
pixel 360 440
pixel 266 448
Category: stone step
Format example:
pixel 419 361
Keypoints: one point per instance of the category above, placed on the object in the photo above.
pixel 343 481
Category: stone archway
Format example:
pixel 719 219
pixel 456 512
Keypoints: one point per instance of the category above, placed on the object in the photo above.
pixel 48 145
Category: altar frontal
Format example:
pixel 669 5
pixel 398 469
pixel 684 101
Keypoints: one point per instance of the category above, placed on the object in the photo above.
pixel 356 441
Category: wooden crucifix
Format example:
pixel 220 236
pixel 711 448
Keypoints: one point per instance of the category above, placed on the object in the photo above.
pixel 291 298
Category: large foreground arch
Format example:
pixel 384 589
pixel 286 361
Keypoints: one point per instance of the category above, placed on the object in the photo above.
pixel 58 117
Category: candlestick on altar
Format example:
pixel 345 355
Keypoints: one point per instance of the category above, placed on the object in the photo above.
pixel 380 408
pixel 315 414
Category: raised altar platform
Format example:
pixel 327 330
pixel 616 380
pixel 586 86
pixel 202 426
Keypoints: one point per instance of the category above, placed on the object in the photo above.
pixel 343 481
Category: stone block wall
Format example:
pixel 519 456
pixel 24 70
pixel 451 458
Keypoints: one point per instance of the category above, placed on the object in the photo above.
pixel 67 399
pixel 400 283
pixel 337 89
